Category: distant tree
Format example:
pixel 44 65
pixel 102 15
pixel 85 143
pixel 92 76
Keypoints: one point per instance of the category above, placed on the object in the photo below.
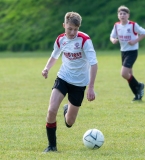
pixel 35 24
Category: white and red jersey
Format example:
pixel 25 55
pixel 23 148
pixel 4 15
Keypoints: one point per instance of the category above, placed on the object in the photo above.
pixel 78 55
pixel 126 33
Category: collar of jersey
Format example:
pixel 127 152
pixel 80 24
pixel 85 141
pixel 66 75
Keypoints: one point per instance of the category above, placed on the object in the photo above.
pixel 71 39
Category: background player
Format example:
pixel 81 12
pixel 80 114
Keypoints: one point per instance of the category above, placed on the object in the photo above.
pixel 126 32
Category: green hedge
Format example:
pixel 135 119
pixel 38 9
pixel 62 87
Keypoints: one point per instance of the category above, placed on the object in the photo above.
pixel 35 24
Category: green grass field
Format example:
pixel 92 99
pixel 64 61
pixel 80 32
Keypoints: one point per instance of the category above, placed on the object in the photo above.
pixel 24 97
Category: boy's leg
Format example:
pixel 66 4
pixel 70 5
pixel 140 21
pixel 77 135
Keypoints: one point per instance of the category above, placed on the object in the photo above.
pixel 136 87
pixel 51 135
pixel 65 108
pixel 51 126
pixel 70 114
pixel 128 60
pixel 133 84
pixel 75 98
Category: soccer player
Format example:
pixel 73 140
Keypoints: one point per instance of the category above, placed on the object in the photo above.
pixel 128 33
pixel 78 71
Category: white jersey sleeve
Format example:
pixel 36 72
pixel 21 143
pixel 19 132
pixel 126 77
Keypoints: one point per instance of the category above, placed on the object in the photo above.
pixel 56 51
pixel 138 29
pixel 114 33
pixel 90 52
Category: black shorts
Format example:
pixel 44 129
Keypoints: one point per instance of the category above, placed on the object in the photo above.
pixel 75 93
pixel 128 58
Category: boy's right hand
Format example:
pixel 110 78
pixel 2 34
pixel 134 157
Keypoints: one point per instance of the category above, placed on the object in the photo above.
pixel 114 41
pixel 45 73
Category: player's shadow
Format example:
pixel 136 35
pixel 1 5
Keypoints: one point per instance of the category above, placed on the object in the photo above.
pixel 138 102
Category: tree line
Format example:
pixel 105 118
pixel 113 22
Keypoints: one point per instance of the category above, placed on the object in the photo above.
pixel 28 25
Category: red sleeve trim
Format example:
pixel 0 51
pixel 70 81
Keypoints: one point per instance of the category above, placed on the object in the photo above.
pixel 84 37
pixel 116 26
pixel 57 40
pixel 133 25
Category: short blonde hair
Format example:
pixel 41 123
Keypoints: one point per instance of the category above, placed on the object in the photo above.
pixel 73 18
pixel 124 8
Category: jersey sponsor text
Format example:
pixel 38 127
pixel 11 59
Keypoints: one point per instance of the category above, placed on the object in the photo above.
pixel 73 56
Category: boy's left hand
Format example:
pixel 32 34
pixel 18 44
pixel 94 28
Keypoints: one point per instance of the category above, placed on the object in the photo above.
pixel 132 42
pixel 90 94
pixel 45 73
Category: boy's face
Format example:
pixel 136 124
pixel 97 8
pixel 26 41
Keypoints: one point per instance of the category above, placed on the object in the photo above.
pixel 70 30
pixel 123 16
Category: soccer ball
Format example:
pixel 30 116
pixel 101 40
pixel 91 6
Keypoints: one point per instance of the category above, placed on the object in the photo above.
pixel 93 139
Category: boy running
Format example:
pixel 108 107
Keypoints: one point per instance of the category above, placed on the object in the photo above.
pixel 78 69
pixel 128 33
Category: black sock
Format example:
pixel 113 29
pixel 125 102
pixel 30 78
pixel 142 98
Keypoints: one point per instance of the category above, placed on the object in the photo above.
pixel 133 84
pixel 51 133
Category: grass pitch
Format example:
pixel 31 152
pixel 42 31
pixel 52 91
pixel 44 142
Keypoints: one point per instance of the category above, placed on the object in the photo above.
pixel 24 97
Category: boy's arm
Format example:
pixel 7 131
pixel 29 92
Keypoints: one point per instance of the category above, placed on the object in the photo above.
pixel 137 40
pixel 51 61
pixel 90 92
pixel 140 31
pixel 113 35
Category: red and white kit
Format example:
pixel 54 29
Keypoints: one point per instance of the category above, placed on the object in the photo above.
pixel 126 33
pixel 77 55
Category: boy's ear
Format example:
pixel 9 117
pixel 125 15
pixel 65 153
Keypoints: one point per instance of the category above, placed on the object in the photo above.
pixel 63 25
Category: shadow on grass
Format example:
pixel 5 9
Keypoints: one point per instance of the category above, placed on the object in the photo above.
pixel 138 102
